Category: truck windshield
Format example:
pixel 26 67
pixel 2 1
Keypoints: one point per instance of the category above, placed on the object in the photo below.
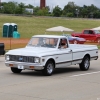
pixel 43 42
pixel 96 32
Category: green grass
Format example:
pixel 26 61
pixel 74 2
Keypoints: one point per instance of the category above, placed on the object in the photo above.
pixel 29 26
pixel 98 46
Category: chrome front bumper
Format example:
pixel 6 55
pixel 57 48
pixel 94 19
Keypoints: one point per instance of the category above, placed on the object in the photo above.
pixel 21 65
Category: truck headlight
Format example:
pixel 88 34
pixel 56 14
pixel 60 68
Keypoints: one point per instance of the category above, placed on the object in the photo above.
pixel 37 60
pixel 7 57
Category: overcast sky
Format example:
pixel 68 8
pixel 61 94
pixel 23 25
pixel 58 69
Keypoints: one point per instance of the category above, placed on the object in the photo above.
pixel 61 3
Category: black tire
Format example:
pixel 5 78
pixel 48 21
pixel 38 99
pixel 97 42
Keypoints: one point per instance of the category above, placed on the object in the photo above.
pixel 49 68
pixel 85 64
pixel 15 70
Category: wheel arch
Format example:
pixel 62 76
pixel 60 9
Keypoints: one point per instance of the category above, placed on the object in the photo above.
pixel 87 55
pixel 51 59
pixel 85 64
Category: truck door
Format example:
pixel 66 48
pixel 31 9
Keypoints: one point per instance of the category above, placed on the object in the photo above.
pixel 88 35
pixel 85 34
pixel 65 54
pixel 91 35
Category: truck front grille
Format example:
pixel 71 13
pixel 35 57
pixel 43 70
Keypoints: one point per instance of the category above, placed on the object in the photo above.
pixel 17 58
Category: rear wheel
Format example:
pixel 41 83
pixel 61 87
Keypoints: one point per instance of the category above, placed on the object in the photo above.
pixel 49 68
pixel 85 64
pixel 15 70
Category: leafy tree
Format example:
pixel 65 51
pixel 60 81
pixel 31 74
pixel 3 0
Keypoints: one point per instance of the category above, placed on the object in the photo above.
pixel 29 6
pixel 18 10
pixel 57 11
pixel 89 11
pixel 42 12
pixel 35 10
pixel 69 9
pixel 96 14
pixel 92 10
pixel 84 11
pixel 9 8
pixel 70 15
pixel 21 8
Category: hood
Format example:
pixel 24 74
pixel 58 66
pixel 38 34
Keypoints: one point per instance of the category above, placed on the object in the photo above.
pixel 31 51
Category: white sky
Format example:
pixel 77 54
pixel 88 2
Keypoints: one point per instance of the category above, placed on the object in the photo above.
pixel 60 3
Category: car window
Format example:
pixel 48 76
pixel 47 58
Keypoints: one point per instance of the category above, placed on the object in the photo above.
pixel 96 32
pixel 90 32
pixel 43 42
pixel 86 31
pixel 63 43
pixel 35 41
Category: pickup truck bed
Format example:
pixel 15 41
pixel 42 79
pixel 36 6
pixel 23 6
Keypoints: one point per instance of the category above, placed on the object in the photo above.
pixel 80 46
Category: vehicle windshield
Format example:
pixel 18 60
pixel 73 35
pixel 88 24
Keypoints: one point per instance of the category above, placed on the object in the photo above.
pixel 96 31
pixel 43 42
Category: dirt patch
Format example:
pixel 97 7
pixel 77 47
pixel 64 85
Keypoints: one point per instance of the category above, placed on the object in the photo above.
pixel 12 40
pixel 11 43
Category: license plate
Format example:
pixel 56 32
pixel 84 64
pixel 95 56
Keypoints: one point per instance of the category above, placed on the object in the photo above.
pixel 20 67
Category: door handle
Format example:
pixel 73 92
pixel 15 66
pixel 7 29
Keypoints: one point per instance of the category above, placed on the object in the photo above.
pixel 69 51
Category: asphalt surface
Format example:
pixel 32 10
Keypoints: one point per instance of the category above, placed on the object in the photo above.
pixel 65 84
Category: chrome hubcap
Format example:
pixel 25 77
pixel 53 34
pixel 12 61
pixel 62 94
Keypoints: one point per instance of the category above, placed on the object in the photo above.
pixel 86 64
pixel 49 68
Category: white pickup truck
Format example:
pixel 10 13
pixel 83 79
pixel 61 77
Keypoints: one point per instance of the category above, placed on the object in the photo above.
pixel 47 52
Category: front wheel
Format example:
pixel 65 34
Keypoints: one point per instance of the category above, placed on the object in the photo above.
pixel 85 64
pixel 49 68
pixel 16 70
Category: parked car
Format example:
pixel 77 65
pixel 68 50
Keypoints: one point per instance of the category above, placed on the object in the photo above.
pixel 88 34
pixel 75 40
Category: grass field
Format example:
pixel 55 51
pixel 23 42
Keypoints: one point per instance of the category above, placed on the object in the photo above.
pixel 29 26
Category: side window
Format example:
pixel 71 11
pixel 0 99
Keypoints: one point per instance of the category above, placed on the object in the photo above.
pixel 47 41
pixel 63 43
pixel 86 31
pixel 35 41
pixel 90 32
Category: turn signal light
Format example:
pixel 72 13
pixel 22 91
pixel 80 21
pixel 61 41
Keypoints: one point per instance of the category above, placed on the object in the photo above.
pixel 11 65
pixel 31 67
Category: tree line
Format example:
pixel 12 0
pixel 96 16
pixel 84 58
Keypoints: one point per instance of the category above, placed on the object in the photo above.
pixel 69 10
